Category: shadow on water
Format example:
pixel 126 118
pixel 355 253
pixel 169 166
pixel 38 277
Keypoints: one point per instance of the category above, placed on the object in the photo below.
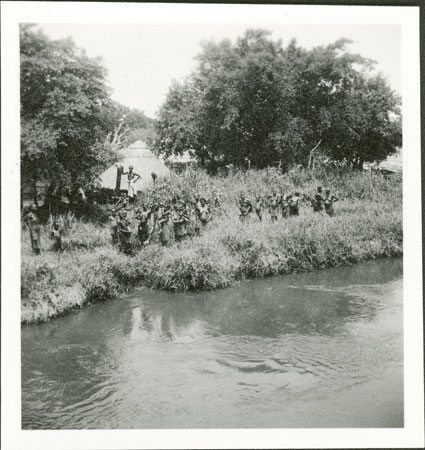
pixel 155 359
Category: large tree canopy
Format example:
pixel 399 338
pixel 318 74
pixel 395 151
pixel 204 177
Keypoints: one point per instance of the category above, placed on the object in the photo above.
pixel 67 116
pixel 258 100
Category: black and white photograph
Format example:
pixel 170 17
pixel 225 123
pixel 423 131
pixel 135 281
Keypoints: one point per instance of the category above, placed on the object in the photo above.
pixel 215 216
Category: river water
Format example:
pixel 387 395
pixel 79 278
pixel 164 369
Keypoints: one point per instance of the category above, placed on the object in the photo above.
pixel 320 349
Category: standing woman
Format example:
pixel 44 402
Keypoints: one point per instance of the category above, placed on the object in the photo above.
pixel 274 204
pixel 329 201
pixel 113 226
pixel 143 217
pixel 294 204
pixel 180 220
pixel 245 207
pixel 285 205
pixel 317 202
pixel 258 207
pixel 124 233
pixel 164 227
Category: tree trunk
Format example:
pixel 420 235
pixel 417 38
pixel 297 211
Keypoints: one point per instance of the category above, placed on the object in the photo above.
pixel 118 181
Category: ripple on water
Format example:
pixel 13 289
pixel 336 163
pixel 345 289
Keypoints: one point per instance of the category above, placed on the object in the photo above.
pixel 265 353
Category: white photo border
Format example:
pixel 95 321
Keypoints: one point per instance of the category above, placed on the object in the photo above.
pixel 412 435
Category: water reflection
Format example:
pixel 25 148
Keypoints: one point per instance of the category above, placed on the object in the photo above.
pixel 264 353
pixel 271 309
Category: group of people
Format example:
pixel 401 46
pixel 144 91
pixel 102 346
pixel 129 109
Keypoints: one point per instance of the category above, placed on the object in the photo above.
pixel 326 202
pixel 287 206
pixel 181 218
pixel 178 218
pixel 184 219
pixel 33 223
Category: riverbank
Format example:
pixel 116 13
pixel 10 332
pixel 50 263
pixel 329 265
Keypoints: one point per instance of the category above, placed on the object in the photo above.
pixel 367 225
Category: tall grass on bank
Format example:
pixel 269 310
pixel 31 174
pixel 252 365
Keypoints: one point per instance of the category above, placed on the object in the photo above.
pixel 367 225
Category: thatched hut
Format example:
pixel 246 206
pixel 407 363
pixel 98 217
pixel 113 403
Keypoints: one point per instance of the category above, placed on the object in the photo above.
pixel 144 163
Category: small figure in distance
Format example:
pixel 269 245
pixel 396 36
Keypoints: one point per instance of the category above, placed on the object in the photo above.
pixel 274 203
pixel 180 220
pixel 259 207
pixel 32 221
pixel 294 204
pixel 285 205
pixel 191 212
pixel 317 202
pixel 217 200
pixel 143 217
pixel 245 207
pixel 204 212
pixel 56 235
pixel 194 221
pixel 132 178
pixel 113 226
pixel 329 201
pixel 124 233
pixel 164 227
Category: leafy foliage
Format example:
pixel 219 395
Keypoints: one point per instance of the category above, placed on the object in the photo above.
pixel 260 101
pixel 65 112
pixel 67 116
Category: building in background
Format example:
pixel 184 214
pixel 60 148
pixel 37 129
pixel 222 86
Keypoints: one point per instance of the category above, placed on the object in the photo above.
pixel 144 163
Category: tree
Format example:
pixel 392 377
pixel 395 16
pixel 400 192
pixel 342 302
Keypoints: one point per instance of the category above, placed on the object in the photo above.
pixel 368 123
pixel 272 105
pixel 136 124
pixel 66 113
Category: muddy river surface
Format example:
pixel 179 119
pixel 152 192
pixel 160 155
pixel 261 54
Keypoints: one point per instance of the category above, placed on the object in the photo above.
pixel 320 349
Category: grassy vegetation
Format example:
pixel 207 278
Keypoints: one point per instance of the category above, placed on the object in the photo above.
pixel 367 225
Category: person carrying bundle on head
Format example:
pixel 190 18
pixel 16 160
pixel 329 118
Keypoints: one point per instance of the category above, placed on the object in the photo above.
pixel 317 202
pixel 329 201
pixel 245 207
